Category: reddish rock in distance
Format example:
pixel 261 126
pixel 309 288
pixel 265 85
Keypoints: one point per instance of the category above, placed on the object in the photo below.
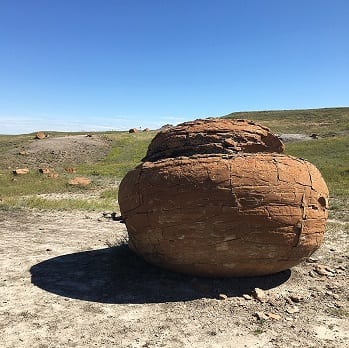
pixel 20 171
pixel 40 135
pixel 79 181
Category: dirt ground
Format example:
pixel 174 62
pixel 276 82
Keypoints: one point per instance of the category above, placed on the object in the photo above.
pixel 61 285
pixel 58 151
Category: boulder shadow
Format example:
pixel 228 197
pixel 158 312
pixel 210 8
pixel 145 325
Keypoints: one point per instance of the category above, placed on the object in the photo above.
pixel 117 275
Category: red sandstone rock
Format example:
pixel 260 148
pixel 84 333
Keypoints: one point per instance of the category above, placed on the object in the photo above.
pixel 216 198
pixel 70 170
pixel 45 170
pixel 225 215
pixel 20 171
pixel 40 135
pixel 212 136
pixel 79 181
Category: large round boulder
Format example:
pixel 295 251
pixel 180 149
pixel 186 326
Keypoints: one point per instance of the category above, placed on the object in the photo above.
pixel 225 213
pixel 239 215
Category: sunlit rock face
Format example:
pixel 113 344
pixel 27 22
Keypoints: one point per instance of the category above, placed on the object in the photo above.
pixel 212 136
pixel 223 213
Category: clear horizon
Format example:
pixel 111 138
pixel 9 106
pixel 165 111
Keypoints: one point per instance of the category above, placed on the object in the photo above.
pixel 112 65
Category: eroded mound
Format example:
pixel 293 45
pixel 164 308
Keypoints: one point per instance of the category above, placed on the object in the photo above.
pixel 211 136
pixel 62 151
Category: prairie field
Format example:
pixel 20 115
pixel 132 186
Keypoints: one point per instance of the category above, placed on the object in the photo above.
pixel 69 280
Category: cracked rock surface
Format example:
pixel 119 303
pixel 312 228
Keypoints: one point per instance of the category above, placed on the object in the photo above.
pixel 212 136
pixel 239 214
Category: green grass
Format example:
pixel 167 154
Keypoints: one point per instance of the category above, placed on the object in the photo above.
pixel 34 202
pixel 127 151
pixel 325 122
pixel 331 157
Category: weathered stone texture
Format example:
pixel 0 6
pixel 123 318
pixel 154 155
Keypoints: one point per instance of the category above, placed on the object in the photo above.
pixel 225 215
pixel 212 136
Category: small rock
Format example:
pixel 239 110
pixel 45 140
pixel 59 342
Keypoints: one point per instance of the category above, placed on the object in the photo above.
pixel 222 296
pixel 107 215
pixel 329 269
pixel 259 295
pixel 79 181
pixel 312 260
pixel 40 135
pixel 292 310
pixel 261 316
pixel 44 170
pixel 23 153
pixel 53 175
pixel 320 269
pixel 20 171
pixel 70 170
pixel 335 296
pixel 272 302
pixel 312 274
pixel 117 217
pixel 48 249
pixel 295 298
pixel 247 297
pixel 274 316
pixel 133 130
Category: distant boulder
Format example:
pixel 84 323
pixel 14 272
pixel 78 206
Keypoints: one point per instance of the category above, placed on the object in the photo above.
pixel 40 135
pixel 146 130
pixel 80 181
pixel 133 130
pixel 20 171
pixel 44 170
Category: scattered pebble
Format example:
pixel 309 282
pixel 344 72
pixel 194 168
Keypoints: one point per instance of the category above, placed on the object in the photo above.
pixel 295 298
pixel 292 310
pixel 261 316
pixel 259 295
pixel 274 316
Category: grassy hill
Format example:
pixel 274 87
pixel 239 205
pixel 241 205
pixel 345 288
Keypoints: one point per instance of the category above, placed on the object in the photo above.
pixel 330 153
pixel 325 122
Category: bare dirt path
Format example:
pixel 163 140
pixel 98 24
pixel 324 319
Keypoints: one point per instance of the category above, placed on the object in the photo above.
pixel 62 286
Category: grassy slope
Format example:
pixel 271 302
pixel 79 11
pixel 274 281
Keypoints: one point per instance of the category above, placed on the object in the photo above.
pixel 324 122
pixel 330 154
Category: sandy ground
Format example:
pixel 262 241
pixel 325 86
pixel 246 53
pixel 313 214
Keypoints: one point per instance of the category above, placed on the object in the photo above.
pixel 62 286
pixel 57 151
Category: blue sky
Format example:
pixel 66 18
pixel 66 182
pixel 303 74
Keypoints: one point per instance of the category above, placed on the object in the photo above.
pixel 103 64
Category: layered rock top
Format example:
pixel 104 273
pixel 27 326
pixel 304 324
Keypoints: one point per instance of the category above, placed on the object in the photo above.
pixel 212 136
